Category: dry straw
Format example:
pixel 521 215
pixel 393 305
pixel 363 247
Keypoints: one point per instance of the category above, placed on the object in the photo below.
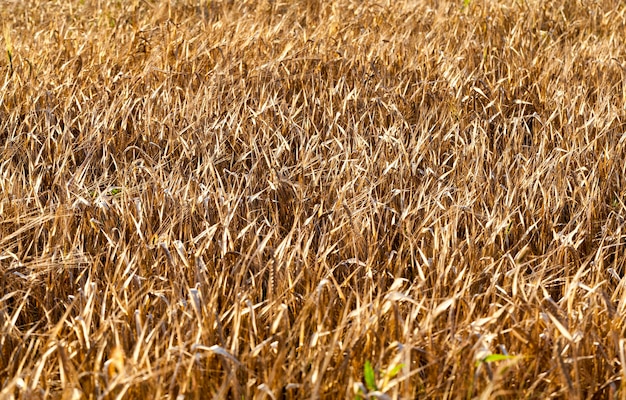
pixel 312 199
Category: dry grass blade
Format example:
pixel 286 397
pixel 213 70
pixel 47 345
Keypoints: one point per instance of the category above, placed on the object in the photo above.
pixel 257 199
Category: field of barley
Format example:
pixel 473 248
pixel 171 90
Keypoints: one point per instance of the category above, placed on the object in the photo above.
pixel 293 199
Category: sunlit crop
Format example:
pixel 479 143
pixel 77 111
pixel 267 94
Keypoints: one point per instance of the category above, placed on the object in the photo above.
pixel 312 199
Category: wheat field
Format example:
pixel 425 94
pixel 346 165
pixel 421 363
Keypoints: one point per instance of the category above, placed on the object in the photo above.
pixel 273 199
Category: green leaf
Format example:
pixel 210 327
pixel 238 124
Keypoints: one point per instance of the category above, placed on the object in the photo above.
pixel 495 357
pixel 370 377
pixel 115 191
pixel 394 371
